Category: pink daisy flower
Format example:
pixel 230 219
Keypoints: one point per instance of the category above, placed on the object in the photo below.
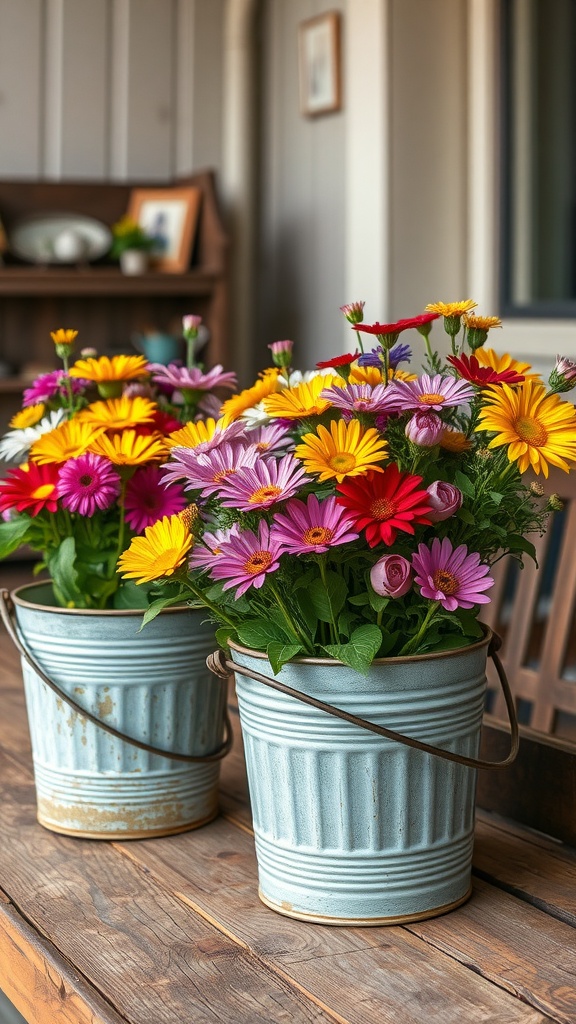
pixel 88 484
pixel 431 392
pixel 312 526
pixel 51 385
pixel 270 438
pixel 193 379
pixel 264 484
pixel 452 576
pixel 208 406
pixel 147 500
pixel 245 559
pixel 209 547
pixel 209 471
pixel 363 398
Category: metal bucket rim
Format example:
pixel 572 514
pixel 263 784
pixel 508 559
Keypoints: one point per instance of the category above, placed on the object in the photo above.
pixel 20 600
pixel 488 634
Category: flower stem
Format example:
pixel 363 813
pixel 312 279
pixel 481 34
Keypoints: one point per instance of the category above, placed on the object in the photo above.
pixel 298 635
pixel 321 560
pixel 414 642
pixel 209 604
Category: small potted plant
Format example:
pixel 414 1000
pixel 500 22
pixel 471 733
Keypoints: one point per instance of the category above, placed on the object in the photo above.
pixel 131 245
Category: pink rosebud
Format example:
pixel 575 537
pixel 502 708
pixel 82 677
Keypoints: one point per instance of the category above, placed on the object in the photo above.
pixel 445 500
pixel 89 353
pixel 281 352
pixel 424 429
pixel 391 576
pixel 190 325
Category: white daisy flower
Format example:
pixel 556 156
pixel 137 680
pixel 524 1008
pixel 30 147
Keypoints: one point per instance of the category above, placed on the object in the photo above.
pixel 16 444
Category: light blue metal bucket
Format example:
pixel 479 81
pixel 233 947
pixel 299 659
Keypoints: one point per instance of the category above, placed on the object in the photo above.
pixel 152 685
pixel 352 828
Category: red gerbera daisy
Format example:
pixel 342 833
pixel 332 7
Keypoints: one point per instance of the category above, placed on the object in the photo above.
pixel 400 325
pixel 469 368
pixel 30 488
pixel 338 361
pixel 383 503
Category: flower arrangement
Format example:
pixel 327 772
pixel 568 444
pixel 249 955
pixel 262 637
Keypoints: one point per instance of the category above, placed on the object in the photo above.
pixel 90 441
pixel 356 511
pixel 128 234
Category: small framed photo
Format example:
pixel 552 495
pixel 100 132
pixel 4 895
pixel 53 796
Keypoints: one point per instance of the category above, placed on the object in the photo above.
pixel 319 50
pixel 170 216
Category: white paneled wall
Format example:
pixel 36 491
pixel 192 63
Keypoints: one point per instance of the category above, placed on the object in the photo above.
pixel 110 89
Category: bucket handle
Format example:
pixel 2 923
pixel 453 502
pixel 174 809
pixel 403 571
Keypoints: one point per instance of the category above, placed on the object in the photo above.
pixel 222 666
pixel 9 620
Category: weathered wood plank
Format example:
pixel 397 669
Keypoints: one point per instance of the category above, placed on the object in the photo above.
pixel 128 937
pixel 368 976
pixel 42 985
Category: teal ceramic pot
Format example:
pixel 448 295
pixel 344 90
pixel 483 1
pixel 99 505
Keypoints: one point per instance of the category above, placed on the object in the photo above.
pixel 152 685
pixel 352 828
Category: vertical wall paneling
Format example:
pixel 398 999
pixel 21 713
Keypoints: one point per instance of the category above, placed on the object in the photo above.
pixel 53 88
pixel 206 60
pixel 151 85
pixel 85 86
pixel 20 88
pixel 185 81
pixel 119 92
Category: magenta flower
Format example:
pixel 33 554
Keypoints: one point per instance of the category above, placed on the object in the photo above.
pixel 264 484
pixel 51 385
pixel 391 576
pixel 147 500
pixel 183 379
pixel 209 471
pixel 312 526
pixel 424 428
pixel 88 484
pixel 245 559
pixel 362 398
pixel 208 548
pixel 431 392
pixel 450 575
pixel 445 499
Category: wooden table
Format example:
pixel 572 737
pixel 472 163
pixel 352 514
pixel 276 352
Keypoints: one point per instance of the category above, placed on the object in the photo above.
pixel 170 931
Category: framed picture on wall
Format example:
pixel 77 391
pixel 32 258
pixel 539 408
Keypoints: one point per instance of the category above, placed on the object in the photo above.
pixel 170 216
pixel 319 64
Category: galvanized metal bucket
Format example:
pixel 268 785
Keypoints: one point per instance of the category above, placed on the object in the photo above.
pixel 354 828
pixel 151 685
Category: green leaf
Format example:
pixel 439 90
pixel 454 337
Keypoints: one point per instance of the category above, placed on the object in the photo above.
pixel 377 602
pixel 469 623
pixel 258 633
pixel 496 497
pixel 360 600
pixel 223 635
pixel 328 600
pixel 465 484
pixel 466 516
pixel 346 620
pixel 156 607
pixel 388 643
pixel 278 654
pixel 360 651
pixel 61 566
pixel 518 543
pixel 131 595
pixel 13 534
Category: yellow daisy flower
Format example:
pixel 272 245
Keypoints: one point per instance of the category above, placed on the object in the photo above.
pixel 119 413
pixel 538 428
pixel 63 336
pixel 129 448
pixel 28 417
pixel 304 399
pixel 454 441
pixel 451 308
pixel 345 450
pixel 235 406
pixel 488 357
pixel 104 369
pixel 192 434
pixel 158 553
pixel 67 441
pixel 481 323
pixel 371 375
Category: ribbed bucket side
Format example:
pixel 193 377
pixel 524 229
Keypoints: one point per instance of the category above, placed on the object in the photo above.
pixel 153 685
pixel 349 826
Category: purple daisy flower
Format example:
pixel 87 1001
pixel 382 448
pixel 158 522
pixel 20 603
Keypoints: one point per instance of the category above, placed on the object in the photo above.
pixel 209 471
pixel 362 398
pixel 399 354
pixel 193 379
pixel 452 576
pixel 431 392
pixel 88 484
pixel 264 484
pixel 208 406
pixel 51 385
pixel 147 500
pixel 373 358
pixel 208 548
pixel 245 559
pixel 270 438
pixel 312 526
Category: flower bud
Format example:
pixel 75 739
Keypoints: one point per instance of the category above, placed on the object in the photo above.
pixel 563 376
pixel 354 312
pixel 424 429
pixel 190 325
pixel 281 353
pixel 536 488
pixel 555 503
pixel 391 576
pixel 445 500
pixel 89 353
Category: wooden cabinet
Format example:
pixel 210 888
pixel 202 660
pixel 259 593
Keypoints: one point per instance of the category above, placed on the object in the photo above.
pixel 104 305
